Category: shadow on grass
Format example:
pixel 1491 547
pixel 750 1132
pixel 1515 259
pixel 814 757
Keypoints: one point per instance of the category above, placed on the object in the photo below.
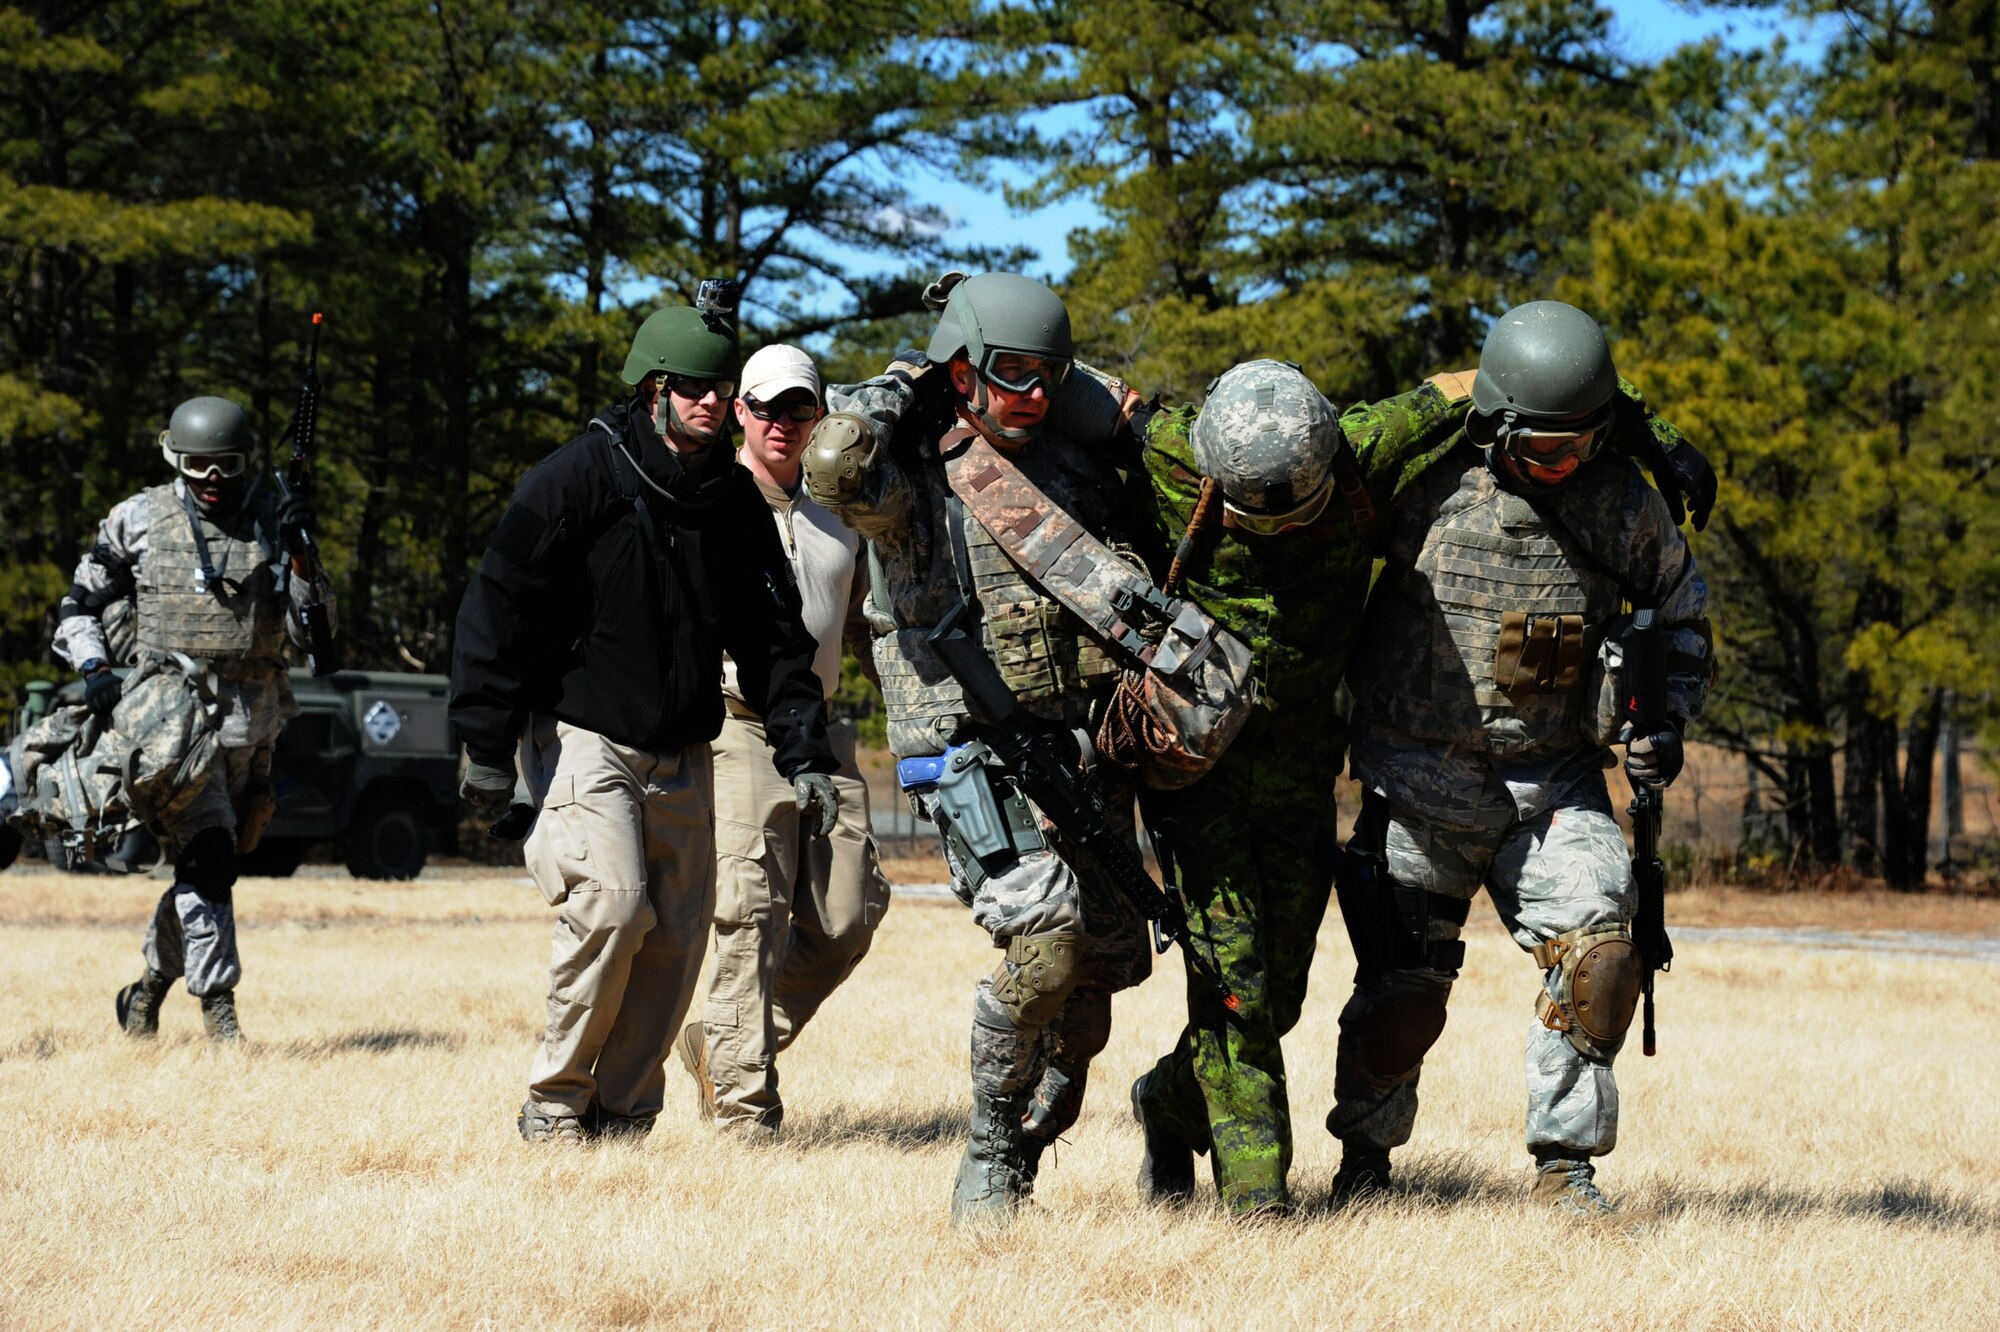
pixel 1429 1182
pixel 1906 1202
pixel 904 1127
pixel 379 1041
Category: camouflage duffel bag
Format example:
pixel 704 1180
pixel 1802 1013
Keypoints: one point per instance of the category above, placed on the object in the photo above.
pixel 89 782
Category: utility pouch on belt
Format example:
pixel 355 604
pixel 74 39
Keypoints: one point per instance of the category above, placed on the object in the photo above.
pixel 989 824
pixel 1542 653
pixel 1193 684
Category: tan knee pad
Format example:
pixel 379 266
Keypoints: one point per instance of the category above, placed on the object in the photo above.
pixel 1598 975
pixel 1404 1019
pixel 1036 977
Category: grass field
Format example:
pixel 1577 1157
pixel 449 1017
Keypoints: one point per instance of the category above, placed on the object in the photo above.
pixel 1818 1137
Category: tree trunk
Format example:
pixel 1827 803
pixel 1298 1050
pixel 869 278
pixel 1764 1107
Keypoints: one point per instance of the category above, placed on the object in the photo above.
pixel 1909 816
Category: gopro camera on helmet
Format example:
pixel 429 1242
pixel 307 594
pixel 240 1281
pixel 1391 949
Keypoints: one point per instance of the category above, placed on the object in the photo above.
pixel 716 297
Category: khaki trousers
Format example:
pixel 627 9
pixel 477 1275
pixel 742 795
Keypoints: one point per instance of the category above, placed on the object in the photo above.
pixel 623 848
pixel 793 914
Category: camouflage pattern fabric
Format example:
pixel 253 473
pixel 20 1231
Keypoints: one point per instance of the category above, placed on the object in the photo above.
pixel 1565 869
pixel 1249 839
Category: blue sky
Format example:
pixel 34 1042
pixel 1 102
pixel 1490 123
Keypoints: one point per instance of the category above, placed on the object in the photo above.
pixel 1644 30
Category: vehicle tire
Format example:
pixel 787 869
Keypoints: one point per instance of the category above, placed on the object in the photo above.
pixel 11 842
pixel 385 841
pixel 275 857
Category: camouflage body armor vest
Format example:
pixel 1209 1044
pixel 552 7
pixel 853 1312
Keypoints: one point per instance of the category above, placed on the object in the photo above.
pixel 1484 628
pixel 1048 658
pixel 234 617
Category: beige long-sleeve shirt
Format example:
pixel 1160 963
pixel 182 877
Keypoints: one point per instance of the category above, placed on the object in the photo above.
pixel 825 556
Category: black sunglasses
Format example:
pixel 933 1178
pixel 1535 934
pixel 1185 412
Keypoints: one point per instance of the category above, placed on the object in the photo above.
pixel 799 412
pixel 694 390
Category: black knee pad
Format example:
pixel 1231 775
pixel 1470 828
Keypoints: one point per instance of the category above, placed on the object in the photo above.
pixel 208 865
pixel 1403 1021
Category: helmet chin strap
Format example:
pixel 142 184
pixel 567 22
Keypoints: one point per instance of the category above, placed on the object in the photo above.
pixel 676 428
pixel 1003 437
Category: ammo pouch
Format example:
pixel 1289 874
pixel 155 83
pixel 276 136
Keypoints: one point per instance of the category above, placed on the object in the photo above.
pixel 1539 653
pixel 1189 685
pixel 983 815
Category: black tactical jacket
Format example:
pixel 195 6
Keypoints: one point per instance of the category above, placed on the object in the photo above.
pixel 608 604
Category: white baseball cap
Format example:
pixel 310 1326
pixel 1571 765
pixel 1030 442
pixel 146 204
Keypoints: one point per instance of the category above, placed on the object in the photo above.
pixel 776 369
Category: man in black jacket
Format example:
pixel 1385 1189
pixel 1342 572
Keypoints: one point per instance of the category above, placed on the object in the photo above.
pixel 591 641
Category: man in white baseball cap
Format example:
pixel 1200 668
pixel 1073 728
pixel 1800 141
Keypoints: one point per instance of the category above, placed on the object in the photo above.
pixel 793 914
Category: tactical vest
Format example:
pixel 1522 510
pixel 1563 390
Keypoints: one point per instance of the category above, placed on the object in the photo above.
pixel 1047 657
pixel 1488 630
pixel 237 615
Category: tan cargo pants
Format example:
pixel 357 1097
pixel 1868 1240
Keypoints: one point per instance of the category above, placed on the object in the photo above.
pixel 793 914
pixel 624 849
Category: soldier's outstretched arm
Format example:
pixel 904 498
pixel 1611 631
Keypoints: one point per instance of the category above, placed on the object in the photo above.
pixel 1681 471
pixel 105 574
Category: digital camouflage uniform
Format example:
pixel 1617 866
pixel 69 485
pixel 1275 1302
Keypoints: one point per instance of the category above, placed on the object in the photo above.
pixel 233 620
pixel 1250 840
pixel 1054 910
pixel 1487 767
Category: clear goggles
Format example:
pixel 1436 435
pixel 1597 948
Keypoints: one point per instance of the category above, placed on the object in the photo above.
pixel 1272 524
pixel 202 466
pixel 1019 372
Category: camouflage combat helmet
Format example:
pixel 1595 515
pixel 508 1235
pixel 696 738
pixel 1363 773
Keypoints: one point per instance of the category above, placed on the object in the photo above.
pixel 1546 385
pixel 681 340
pixel 1268 437
pixel 997 313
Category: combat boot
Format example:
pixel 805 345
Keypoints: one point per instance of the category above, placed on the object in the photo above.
pixel 995 1177
pixel 1363 1170
pixel 1166 1171
pixel 218 1017
pixel 692 1046
pixel 1569 1186
pixel 538 1127
pixel 138 1004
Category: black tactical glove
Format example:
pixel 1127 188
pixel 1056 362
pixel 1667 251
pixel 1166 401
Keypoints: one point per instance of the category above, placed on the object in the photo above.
pixel 1655 760
pixel 101 692
pixel 487 789
pixel 818 800
pixel 296 515
pixel 1684 478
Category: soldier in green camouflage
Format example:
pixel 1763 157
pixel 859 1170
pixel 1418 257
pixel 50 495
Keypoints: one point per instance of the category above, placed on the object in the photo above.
pixel 1286 569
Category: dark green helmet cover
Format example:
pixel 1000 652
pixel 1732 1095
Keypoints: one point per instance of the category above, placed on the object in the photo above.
pixel 681 340
pixel 207 426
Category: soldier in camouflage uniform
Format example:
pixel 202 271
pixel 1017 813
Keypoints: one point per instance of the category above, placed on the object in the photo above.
pixel 202 560
pixel 1484 705
pixel 1284 565
pixel 1070 938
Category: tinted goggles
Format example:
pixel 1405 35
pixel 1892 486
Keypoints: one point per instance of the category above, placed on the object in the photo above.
pixel 694 390
pixel 1272 524
pixel 201 465
pixel 797 412
pixel 1552 448
pixel 1018 373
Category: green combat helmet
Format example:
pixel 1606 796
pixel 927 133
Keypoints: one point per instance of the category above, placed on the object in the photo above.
pixel 1545 365
pixel 683 340
pixel 1268 437
pixel 208 428
pixel 993 313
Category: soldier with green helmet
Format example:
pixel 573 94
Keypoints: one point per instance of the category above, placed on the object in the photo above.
pixel 1484 705
pixel 198 566
pixel 1001 353
pixel 589 649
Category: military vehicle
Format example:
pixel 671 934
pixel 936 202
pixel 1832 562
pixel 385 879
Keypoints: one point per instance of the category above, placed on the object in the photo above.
pixel 369 764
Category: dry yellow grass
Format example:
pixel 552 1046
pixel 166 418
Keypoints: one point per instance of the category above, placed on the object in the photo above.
pixel 1819 1136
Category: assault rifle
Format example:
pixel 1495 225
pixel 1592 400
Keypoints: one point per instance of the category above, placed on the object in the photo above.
pixel 1645 710
pixel 296 479
pixel 1043 759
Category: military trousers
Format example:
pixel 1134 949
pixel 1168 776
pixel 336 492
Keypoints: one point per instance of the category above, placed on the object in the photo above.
pixel 1256 891
pixel 1565 870
pixel 624 850
pixel 1039 1023
pixel 794 914
pixel 193 930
